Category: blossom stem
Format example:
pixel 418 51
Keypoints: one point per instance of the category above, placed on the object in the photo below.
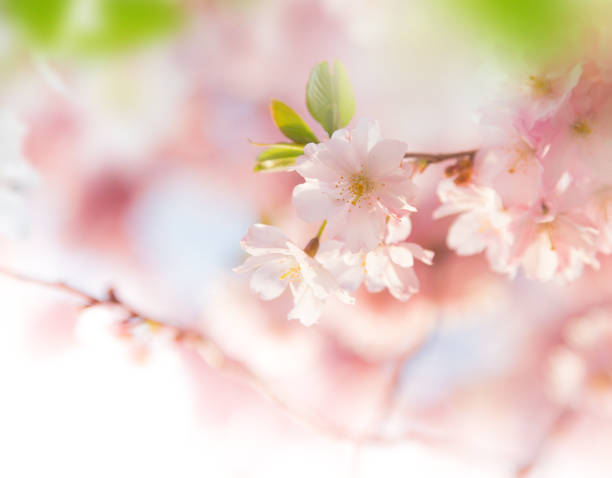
pixel 321 229
pixel 313 245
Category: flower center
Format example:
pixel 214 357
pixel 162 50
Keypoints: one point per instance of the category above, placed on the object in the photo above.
pixel 581 128
pixel 360 185
pixel 540 86
pixel 522 153
pixel 355 188
pixel 292 274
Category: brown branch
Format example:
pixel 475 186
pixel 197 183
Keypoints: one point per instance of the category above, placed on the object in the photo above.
pixel 432 158
pixel 220 360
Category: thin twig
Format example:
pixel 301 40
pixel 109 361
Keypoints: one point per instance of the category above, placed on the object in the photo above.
pixel 222 361
pixel 436 158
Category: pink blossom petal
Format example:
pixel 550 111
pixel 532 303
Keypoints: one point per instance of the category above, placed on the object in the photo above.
pixel 365 136
pixel 307 308
pixel 262 239
pixel 358 227
pixel 464 235
pixel 401 255
pixel 312 203
pixel 267 279
pixel 386 157
pixel 407 286
pixel 424 255
pixel 398 229
pixel 540 260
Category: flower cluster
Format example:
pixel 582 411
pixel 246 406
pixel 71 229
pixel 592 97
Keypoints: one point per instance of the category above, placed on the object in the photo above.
pixel 356 184
pixel 539 193
pixel 536 196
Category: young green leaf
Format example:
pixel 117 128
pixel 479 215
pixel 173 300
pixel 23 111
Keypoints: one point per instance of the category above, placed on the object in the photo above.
pixel 281 151
pixel 329 96
pixel 344 94
pixel 278 157
pixel 120 24
pixel 290 123
pixel 273 165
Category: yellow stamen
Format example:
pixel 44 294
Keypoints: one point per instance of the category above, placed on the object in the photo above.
pixel 292 274
pixel 540 86
pixel 359 186
pixel 581 127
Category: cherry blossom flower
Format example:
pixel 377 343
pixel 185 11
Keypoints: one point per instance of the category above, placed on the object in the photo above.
pixel 538 196
pixel 355 181
pixel 277 263
pixel 543 93
pixel 578 135
pixel 554 245
pixel 483 224
pixel 389 266
pixel 509 160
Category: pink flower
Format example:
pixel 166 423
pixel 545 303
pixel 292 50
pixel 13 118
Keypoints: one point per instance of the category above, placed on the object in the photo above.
pixel 509 160
pixel 543 94
pixel 354 180
pixel 483 224
pixel 277 263
pixel 554 245
pixel 389 266
pixel 552 239
pixel 578 135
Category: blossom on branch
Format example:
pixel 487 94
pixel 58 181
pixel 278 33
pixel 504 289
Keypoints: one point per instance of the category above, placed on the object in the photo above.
pixel 355 181
pixel 276 264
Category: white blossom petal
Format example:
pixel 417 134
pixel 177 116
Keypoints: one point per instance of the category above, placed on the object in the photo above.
pixel 307 307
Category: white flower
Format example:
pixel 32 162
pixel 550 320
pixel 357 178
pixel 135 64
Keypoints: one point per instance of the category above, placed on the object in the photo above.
pixel 482 225
pixel 277 263
pixel 391 266
pixel 354 180
pixel 555 246
pixel 388 266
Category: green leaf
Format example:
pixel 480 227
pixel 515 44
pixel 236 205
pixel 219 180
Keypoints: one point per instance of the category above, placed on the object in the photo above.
pixel 344 94
pixel 129 23
pixel 536 29
pixel 329 96
pixel 274 165
pixel 41 20
pixel 282 151
pixel 278 158
pixel 119 25
pixel 290 123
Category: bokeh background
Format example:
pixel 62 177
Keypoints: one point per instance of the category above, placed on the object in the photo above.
pixel 138 116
